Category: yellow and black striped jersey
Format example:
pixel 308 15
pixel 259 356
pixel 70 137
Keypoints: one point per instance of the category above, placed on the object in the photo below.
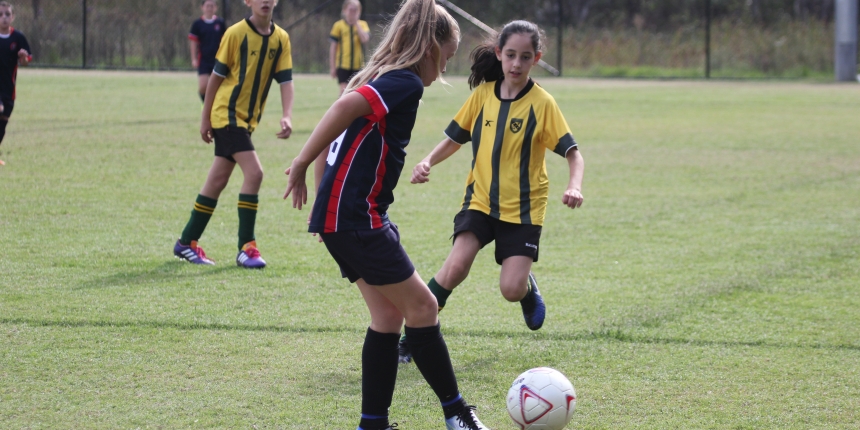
pixel 508 180
pixel 350 52
pixel 248 62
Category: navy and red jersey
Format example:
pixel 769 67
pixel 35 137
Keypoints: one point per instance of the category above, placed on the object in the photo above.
pixel 364 163
pixel 9 46
pixel 207 34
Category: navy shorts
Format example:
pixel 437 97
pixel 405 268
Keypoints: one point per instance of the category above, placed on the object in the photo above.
pixel 373 255
pixel 344 75
pixel 205 67
pixel 511 239
pixel 230 140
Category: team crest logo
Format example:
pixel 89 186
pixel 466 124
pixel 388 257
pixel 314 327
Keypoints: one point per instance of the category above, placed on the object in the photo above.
pixel 217 27
pixel 516 125
pixel 12 46
pixel 272 53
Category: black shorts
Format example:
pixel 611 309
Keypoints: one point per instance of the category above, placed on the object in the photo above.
pixel 373 255
pixel 511 239
pixel 343 75
pixel 8 106
pixel 230 140
pixel 205 67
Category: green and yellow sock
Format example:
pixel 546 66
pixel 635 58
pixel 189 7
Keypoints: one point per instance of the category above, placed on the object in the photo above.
pixel 247 217
pixel 200 215
pixel 440 293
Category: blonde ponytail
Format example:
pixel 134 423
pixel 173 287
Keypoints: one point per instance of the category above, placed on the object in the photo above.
pixel 418 26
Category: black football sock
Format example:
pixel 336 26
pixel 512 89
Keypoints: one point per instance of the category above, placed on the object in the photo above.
pixel 433 361
pixel 378 376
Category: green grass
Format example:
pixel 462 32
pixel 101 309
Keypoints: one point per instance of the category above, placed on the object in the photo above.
pixel 709 281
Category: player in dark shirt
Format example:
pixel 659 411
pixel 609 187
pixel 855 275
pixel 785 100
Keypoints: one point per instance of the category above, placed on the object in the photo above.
pixel 14 51
pixel 204 40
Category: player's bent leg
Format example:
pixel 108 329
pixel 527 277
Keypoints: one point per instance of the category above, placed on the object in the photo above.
pixel 459 262
pixel 219 175
pixel 252 171
pixel 453 272
pixel 517 283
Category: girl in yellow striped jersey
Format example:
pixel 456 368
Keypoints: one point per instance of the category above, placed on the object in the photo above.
pixel 511 122
pixel 348 37
pixel 253 52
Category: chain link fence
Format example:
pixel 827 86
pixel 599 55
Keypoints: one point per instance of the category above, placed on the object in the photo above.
pixel 628 38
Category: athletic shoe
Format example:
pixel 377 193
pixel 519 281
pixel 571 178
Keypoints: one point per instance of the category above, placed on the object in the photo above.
pixel 393 426
pixel 403 352
pixel 191 253
pixel 249 257
pixel 534 309
pixel 465 420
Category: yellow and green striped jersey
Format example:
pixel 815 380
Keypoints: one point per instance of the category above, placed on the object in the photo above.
pixel 508 180
pixel 248 62
pixel 350 52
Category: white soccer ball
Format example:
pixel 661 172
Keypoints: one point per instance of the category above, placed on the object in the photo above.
pixel 541 399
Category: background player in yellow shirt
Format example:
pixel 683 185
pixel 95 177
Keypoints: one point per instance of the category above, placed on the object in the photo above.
pixel 253 52
pixel 348 37
pixel 511 122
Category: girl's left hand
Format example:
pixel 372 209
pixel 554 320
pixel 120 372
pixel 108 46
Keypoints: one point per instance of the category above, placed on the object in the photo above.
pixel 572 199
pixel 286 128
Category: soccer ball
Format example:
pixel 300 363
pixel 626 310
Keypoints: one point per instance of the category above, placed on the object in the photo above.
pixel 541 399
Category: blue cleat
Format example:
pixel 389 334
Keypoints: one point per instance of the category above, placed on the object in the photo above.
pixel 249 257
pixel 534 309
pixel 191 253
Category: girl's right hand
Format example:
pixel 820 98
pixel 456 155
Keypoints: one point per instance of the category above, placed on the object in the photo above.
pixel 421 173
pixel 206 130
pixel 296 185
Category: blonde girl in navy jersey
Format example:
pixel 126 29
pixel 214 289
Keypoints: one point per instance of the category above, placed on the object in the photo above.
pixel 512 123
pixel 359 146
pixel 348 38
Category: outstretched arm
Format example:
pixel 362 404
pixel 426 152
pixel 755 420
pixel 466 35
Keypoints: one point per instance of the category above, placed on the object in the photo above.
pixel 445 148
pixel 339 116
pixel 573 195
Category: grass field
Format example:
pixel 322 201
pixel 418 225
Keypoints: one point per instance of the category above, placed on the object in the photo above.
pixel 709 281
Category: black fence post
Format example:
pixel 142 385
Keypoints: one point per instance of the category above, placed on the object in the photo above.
pixel 559 42
pixel 707 39
pixel 84 36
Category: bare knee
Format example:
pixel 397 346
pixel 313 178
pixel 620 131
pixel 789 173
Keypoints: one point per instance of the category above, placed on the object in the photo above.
pixel 254 176
pixel 422 313
pixel 513 289
pixel 387 320
pixel 453 273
